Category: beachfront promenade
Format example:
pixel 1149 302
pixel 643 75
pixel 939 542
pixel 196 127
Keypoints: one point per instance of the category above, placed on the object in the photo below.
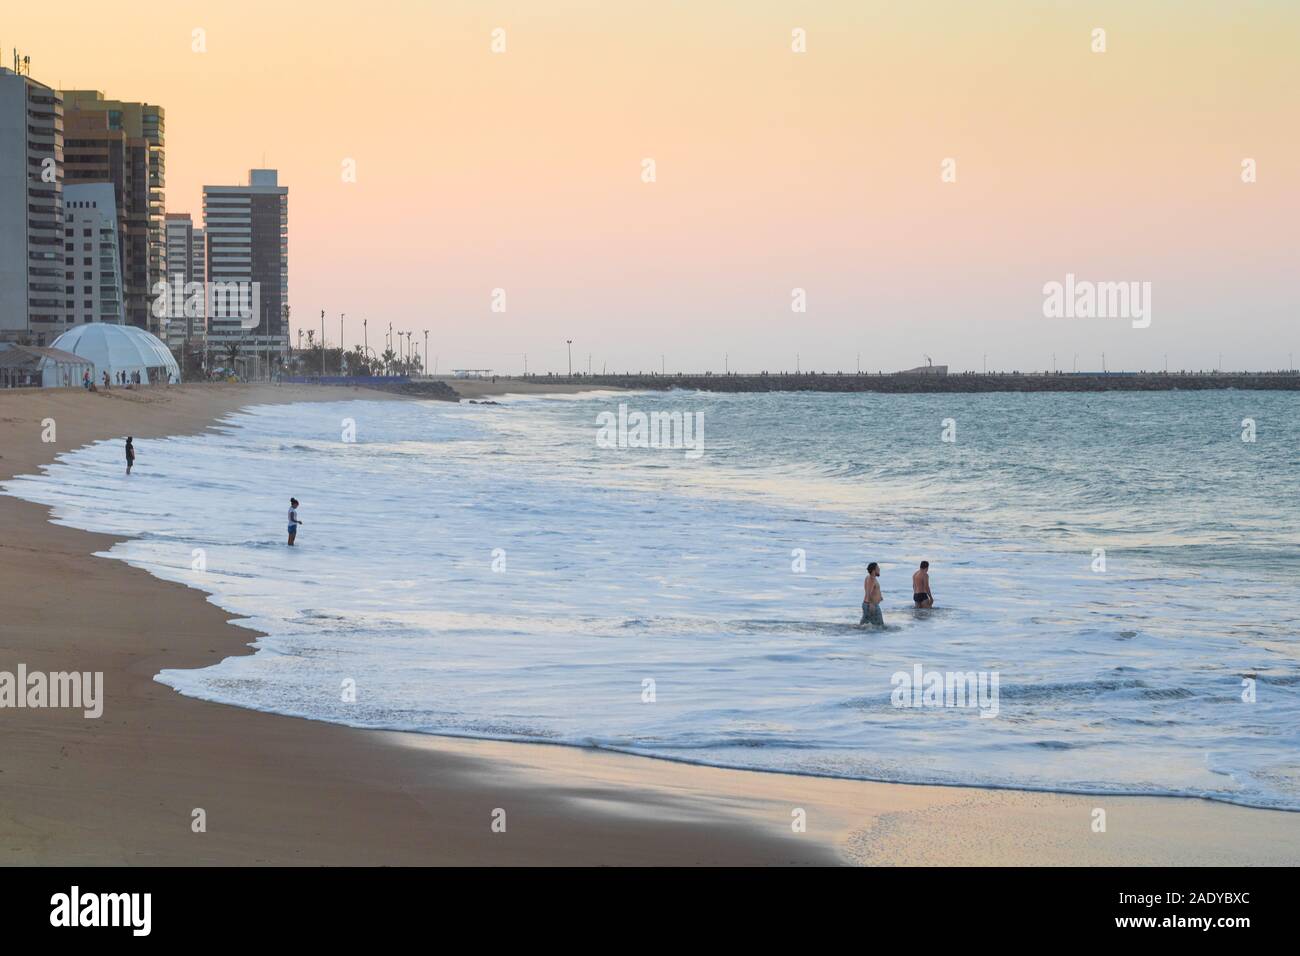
pixel 920 382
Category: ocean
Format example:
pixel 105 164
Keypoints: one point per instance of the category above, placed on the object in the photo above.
pixel 1116 572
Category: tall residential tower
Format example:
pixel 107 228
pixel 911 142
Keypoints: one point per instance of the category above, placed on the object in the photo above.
pixel 91 260
pixel 247 231
pixel 118 142
pixel 186 273
pixel 32 298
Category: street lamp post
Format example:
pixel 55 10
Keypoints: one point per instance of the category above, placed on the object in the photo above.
pixel 426 351
pixel 322 343
pixel 569 342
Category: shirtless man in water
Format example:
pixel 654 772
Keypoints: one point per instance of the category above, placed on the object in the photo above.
pixel 871 597
pixel 921 595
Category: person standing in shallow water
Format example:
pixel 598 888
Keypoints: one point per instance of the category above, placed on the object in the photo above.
pixel 293 520
pixel 921 595
pixel 130 454
pixel 872 597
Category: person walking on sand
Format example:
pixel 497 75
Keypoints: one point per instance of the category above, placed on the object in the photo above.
pixel 293 520
pixel 872 597
pixel 921 595
pixel 130 454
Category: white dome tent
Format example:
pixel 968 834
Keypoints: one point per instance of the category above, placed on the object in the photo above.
pixel 121 348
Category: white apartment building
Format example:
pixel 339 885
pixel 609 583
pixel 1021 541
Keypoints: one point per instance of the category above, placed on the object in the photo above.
pixel 186 319
pixel 92 258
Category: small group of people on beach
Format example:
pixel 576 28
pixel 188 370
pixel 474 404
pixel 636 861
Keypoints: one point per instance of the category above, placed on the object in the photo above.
pixel 122 378
pixel 872 598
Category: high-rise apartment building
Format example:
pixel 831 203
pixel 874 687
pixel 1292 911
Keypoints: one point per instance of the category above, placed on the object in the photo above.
pixel 32 299
pixel 199 260
pixel 123 143
pixel 247 231
pixel 186 273
pixel 92 269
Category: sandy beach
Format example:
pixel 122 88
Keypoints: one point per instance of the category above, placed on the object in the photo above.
pixel 122 789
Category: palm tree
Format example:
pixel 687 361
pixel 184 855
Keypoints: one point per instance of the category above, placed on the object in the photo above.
pixel 356 361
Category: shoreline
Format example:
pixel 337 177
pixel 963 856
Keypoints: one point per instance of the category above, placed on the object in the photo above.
pixel 286 790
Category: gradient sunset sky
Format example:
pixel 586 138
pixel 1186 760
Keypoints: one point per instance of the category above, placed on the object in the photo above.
pixel 776 170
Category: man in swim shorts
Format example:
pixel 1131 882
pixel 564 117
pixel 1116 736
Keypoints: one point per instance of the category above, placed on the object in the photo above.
pixel 921 595
pixel 293 520
pixel 871 597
